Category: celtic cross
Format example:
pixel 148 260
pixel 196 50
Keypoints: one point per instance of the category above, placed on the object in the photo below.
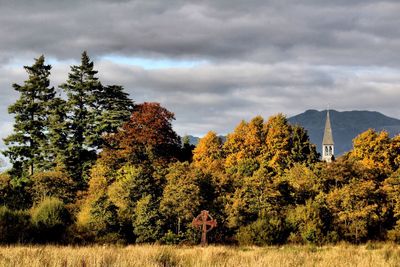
pixel 205 222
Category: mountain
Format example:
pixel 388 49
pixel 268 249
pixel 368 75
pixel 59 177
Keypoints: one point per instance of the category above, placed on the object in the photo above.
pixel 345 126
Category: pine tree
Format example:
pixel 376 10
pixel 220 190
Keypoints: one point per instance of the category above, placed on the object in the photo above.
pixel 81 88
pixel 28 145
pixel 93 111
pixel 114 108
pixel 58 134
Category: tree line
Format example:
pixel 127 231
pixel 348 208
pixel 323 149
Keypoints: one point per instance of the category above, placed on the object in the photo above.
pixel 91 166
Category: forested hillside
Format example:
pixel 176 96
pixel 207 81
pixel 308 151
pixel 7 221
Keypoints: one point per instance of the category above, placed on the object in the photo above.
pixel 96 167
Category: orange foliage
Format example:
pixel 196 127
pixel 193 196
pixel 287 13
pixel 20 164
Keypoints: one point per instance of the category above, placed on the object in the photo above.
pixel 147 136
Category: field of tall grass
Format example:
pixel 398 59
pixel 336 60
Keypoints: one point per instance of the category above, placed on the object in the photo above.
pixel 372 254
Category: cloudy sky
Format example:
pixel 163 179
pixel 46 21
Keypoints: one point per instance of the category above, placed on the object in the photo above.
pixel 213 62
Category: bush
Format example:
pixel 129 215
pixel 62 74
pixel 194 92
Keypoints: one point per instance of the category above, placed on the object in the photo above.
pixel 14 226
pixel 52 184
pixel 264 231
pixel 14 193
pixel 50 219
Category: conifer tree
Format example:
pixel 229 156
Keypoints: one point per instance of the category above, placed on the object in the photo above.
pixel 81 88
pixel 114 108
pixel 92 112
pixel 28 146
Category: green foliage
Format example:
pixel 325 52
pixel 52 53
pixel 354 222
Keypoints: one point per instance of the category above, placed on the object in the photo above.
pixel 52 184
pixel 14 226
pixel 29 146
pixel 310 222
pixel 50 219
pixel 114 108
pixel 146 223
pixel 187 150
pixel 104 217
pixel 264 231
pixel 93 111
pixel 81 87
pixel 14 192
pixel 181 197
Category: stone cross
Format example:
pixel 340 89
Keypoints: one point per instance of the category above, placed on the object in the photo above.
pixel 201 221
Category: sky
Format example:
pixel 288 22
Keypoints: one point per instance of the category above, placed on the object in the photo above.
pixel 213 63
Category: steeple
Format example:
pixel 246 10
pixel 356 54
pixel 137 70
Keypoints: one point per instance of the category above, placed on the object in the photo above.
pixel 327 142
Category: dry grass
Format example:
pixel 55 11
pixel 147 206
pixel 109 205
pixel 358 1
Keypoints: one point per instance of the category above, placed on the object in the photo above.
pixel 342 255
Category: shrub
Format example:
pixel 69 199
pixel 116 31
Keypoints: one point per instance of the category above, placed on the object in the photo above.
pixel 50 219
pixel 14 193
pixel 264 231
pixel 14 226
pixel 52 184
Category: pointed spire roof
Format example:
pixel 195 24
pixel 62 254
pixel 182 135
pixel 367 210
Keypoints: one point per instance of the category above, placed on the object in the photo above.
pixel 328 139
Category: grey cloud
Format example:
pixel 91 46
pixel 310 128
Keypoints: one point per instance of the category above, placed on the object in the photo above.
pixel 209 92
pixel 262 31
pixel 262 57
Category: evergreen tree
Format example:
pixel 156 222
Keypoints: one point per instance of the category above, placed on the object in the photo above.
pixel 92 111
pixel 57 132
pixel 114 108
pixel 81 88
pixel 28 146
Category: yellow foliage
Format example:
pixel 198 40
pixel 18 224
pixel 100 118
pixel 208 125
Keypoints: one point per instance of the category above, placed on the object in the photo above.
pixel 208 154
pixel 376 150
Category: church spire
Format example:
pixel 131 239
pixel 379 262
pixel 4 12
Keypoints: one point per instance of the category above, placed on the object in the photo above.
pixel 327 142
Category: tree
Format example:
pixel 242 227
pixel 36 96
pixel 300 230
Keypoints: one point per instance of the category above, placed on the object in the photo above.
pixel 131 184
pixel 28 146
pixel 303 183
pixel 243 147
pixel 147 137
pixel 277 146
pixel 208 154
pixel 258 195
pixel 181 198
pixel 354 199
pixel 147 223
pixel 391 188
pixel 98 217
pixel 82 87
pixel 372 149
pixel 302 150
pixel 114 108
pixel 311 221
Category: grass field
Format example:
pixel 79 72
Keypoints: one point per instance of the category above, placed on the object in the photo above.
pixel 375 254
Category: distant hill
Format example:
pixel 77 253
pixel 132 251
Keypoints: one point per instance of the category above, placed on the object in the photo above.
pixel 194 140
pixel 345 126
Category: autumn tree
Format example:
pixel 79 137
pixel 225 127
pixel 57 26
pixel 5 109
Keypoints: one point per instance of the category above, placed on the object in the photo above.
pixel 129 175
pixel 391 188
pixel 208 153
pixel 147 137
pixel 181 197
pixel 372 149
pixel 243 147
pixel 354 199
pixel 98 217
